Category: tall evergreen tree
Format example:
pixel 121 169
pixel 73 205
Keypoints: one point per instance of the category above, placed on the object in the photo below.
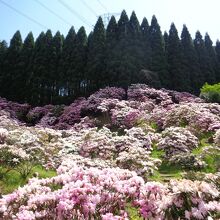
pixel 135 48
pixel 96 51
pixel 123 25
pixel 145 40
pixel 65 74
pixel 38 69
pixel 122 52
pixel 203 58
pixel 128 51
pixel 3 53
pixel 53 62
pixel 27 56
pixel 79 62
pixel 12 76
pixel 217 50
pixel 158 60
pixel 180 79
pixel 190 61
pixel 111 59
pixel 166 40
pixel 212 59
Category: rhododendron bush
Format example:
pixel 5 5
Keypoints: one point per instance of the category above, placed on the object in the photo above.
pixel 106 150
pixel 92 193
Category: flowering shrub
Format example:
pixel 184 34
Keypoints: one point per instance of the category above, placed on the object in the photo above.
pixel 94 193
pixel 16 110
pixel 10 157
pixel 182 97
pixel 104 148
pixel 177 140
pixel 3 135
pixel 217 137
pixel 130 150
pixel 187 161
pixel 71 114
pixel 194 199
pixel 110 93
pixel 199 117
pixel 144 93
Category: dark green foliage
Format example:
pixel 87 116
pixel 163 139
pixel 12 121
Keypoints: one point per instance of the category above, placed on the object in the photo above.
pixel 212 59
pixel 27 57
pixel 217 50
pixel 81 43
pixel 207 72
pixel 158 60
pixel 211 93
pixel 65 74
pixel 42 67
pixel 56 69
pixel 95 63
pixel 111 60
pixel 78 63
pixel 3 53
pixel 12 77
pixel 150 78
pixel 135 48
pixel 145 40
pixel 180 78
pixel 52 85
pixel 38 63
pixel 123 55
pixel 166 39
pixel 190 61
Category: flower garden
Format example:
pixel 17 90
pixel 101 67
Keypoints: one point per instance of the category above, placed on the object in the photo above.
pixel 136 154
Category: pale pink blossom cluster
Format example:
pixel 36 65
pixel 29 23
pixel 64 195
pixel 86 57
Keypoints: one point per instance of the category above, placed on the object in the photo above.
pixel 131 150
pixel 91 193
pixel 102 159
pixel 144 93
pixel 3 135
pixel 177 140
pixel 217 137
pixel 199 117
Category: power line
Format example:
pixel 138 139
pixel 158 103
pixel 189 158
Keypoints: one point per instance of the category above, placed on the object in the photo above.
pixel 52 12
pixel 84 2
pixel 24 15
pixel 103 6
pixel 106 17
pixel 75 13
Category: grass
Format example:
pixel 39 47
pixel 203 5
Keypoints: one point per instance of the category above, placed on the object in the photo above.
pixel 166 168
pixel 13 180
pixel 166 172
pixel 155 153
pixel 133 213
pixel 212 158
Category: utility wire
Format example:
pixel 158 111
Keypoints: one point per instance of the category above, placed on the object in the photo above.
pixel 52 12
pixel 84 2
pixel 103 6
pixel 75 13
pixel 24 15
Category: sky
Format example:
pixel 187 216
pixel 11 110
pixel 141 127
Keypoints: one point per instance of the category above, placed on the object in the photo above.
pixel 199 15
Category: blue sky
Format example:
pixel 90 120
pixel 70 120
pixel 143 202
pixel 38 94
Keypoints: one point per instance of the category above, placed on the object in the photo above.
pixel 200 15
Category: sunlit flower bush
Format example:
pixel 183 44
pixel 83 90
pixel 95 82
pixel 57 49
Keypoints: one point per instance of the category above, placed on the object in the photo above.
pixel 177 140
pixel 93 193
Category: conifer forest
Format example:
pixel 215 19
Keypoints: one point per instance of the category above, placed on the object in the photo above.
pixel 55 69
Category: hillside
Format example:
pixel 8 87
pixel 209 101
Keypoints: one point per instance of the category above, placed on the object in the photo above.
pixel 136 154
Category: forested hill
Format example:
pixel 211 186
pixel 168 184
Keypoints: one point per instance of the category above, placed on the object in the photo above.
pixel 57 69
